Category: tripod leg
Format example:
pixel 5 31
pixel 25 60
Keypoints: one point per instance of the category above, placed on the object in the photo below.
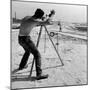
pixel 36 46
pixel 45 43
pixel 53 45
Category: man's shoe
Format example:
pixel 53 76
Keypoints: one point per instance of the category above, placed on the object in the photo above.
pixel 42 77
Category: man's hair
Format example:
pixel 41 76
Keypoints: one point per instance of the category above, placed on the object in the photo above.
pixel 39 13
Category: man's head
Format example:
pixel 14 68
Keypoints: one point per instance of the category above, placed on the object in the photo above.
pixel 39 13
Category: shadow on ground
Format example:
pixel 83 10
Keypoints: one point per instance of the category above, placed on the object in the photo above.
pixel 33 78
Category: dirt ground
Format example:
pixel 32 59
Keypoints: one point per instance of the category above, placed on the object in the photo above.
pixel 73 52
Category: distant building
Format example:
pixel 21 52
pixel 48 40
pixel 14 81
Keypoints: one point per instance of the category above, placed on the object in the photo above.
pixel 16 20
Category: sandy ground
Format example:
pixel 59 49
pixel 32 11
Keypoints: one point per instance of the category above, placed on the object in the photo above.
pixel 73 52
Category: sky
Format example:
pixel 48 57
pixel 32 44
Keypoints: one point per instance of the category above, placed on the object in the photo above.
pixel 63 12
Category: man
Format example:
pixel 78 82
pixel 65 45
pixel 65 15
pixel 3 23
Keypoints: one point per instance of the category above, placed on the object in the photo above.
pixel 27 25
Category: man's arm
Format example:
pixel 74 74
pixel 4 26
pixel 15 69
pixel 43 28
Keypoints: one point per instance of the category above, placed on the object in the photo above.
pixel 44 22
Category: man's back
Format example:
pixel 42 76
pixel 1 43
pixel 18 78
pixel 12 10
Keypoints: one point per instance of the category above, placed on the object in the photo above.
pixel 28 23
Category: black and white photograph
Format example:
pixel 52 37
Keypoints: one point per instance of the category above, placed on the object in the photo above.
pixel 49 44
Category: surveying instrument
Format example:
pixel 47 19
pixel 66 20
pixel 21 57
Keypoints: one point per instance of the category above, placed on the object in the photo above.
pixel 38 40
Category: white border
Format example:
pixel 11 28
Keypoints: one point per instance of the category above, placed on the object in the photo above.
pixel 5 44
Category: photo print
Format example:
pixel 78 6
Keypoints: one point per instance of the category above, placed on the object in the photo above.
pixel 48 44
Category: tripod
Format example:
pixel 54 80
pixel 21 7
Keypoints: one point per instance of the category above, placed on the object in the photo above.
pixel 38 40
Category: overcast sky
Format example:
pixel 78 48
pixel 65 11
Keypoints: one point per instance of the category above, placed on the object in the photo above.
pixel 70 13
